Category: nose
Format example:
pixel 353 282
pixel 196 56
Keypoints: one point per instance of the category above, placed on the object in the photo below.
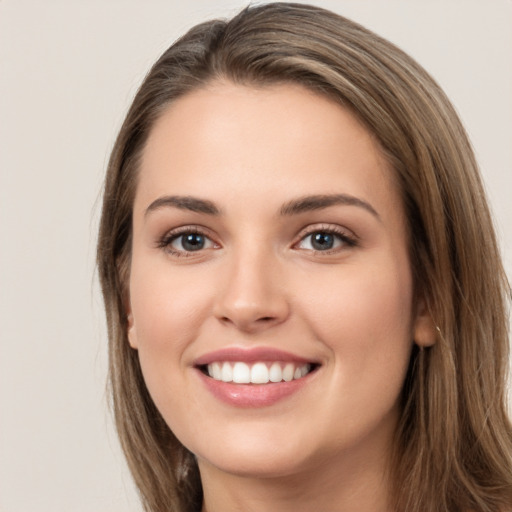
pixel 252 298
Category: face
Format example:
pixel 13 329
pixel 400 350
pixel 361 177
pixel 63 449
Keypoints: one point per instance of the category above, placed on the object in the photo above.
pixel 270 285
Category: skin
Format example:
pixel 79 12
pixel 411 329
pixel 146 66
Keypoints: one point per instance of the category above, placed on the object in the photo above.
pixel 258 282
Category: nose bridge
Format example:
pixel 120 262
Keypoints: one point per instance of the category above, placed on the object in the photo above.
pixel 252 295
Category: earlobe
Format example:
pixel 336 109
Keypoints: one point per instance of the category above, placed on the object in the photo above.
pixel 424 332
pixel 131 331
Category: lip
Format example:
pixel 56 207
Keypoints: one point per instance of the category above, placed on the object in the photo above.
pixel 250 355
pixel 252 395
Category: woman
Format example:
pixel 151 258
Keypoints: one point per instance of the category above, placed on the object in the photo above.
pixel 306 305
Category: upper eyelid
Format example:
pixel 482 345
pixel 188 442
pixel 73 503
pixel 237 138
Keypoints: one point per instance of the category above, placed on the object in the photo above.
pixel 324 227
pixel 175 233
pixel 188 228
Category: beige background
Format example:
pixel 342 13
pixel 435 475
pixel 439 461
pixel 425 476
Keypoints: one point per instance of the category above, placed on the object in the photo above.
pixel 68 70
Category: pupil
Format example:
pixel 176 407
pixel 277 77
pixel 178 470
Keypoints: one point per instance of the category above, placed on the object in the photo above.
pixel 322 241
pixel 193 242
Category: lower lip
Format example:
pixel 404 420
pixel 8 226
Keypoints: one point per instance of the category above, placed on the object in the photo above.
pixel 252 395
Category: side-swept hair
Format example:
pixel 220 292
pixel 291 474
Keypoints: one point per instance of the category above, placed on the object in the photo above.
pixel 453 445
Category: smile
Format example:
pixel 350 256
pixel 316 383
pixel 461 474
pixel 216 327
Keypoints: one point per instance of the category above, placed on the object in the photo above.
pixel 254 377
pixel 239 372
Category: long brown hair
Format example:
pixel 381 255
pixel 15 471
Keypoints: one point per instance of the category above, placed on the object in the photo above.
pixel 454 441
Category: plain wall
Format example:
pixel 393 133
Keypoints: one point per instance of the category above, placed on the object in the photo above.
pixel 68 70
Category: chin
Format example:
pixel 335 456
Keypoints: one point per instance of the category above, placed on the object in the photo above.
pixel 256 465
pixel 257 455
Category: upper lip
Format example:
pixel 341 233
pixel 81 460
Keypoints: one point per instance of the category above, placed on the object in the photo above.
pixel 250 355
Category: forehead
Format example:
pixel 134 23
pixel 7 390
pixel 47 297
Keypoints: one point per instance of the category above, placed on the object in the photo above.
pixel 280 140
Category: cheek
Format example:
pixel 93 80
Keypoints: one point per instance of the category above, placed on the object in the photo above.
pixel 366 322
pixel 168 311
pixel 374 301
pixel 167 307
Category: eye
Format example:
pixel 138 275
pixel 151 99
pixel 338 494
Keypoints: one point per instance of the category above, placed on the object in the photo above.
pixel 325 240
pixel 186 242
pixel 190 242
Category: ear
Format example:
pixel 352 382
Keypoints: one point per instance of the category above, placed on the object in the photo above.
pixel 424 329
pixel 131 330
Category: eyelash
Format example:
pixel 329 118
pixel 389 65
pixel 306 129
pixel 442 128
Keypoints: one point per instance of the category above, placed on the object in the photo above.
pixel 347 240
pixel 166 241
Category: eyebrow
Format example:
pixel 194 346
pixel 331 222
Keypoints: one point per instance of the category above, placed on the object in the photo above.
pixel 318 202
pixel 189 203
pixel 294 207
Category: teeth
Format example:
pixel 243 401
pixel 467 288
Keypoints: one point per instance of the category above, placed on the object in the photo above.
pixel 217 371
pixel 288 372
pixel 258 373
pixel 226 373
pixel 241 373
pixel 275 373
